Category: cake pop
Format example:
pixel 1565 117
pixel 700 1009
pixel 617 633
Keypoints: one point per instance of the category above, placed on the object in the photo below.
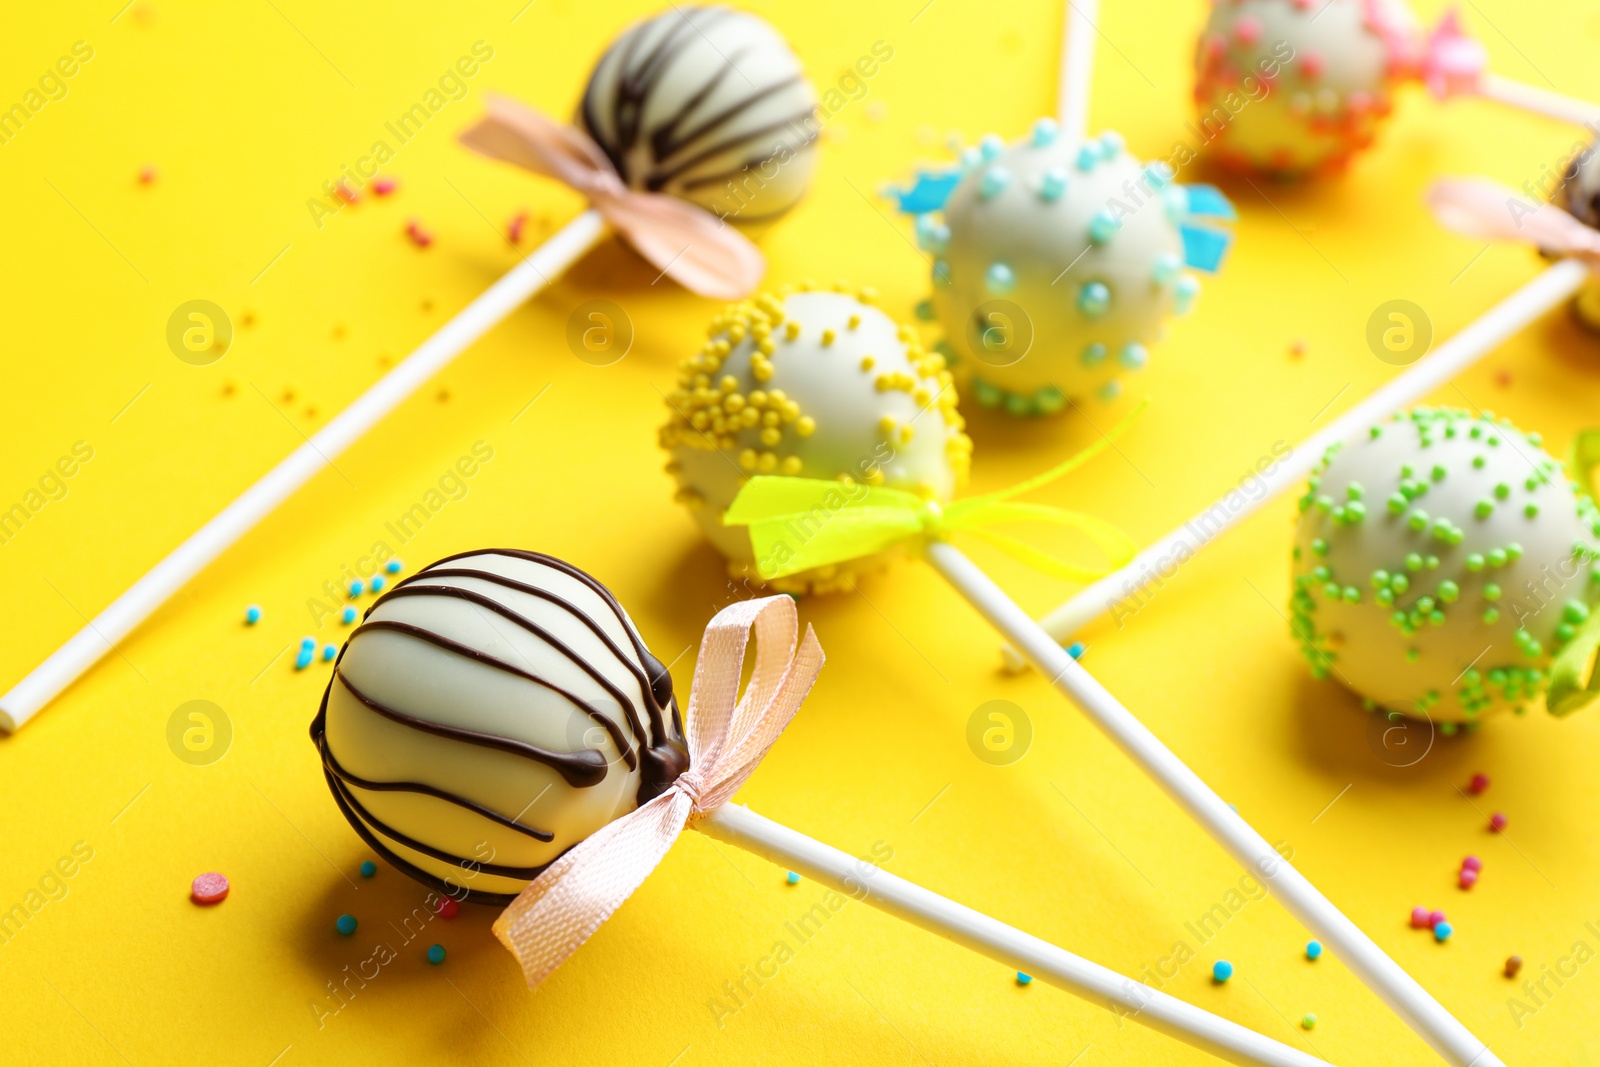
pixel 497 729
pixel 1440 563
pixel 817 384
pixel 722 109
pixel 1056 264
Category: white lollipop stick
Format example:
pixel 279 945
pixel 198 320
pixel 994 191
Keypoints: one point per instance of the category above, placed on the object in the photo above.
pixel 1449 1038
pixel 86 647
pixel 1078 27
pixel 743 828
pixel 1553 105
pixel 1452 357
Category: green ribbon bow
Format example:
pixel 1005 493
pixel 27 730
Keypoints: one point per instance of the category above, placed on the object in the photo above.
pixel 800 523
pixel 1569 691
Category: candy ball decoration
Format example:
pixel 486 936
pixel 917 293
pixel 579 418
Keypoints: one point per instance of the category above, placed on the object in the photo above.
pixel 708 104
pixel 1439 564
pixel 812 384
pixel 489 713
pixel 1294 86
pixel 1056 264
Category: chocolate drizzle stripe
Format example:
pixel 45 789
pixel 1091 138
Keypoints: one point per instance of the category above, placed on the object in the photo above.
pixel 662 142
pixel 418 584
pixel 727 115
pixel 660 178
pixel 345 776
pixel 581 769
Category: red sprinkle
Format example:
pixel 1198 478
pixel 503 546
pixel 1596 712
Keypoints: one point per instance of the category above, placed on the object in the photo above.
pixel 1497 821
pixel 209 888
pixel 1479 783
pixel 1502 378
pixel 1419 917
pixel 448 908
pixel 1472 863
pixel 1297 348
pixel 1435 918
pixel 384 186
pixel 514 227
pixel 419 237
pixel 1467 878
pixel 147 174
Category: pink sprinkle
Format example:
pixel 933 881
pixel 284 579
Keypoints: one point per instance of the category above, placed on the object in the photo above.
pixel 1304 5
pixel 419 237
pixel 384 186
pixel 514 227
pixel 1467 878
pixel 1312 64
pixel 1435 918
pixel 344 192
pixel 1247 31
pixel 1419 917
pixel 1297 348
pixel 448 908
pixel 209 888
pixel 1479 783
pixel 1472 863
pixel 147 174
pixel 1497 821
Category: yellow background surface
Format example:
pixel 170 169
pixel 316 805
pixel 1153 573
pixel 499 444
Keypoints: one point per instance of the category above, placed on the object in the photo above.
pixel 247 109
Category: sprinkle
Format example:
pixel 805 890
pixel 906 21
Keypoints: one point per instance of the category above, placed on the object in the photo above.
pixel 999 279
pixel 1088 156
pixel 419 237
pixel 1045 132
pixel 1309 1021
pixel 384 186
pixel 993 183
pixel 368 869
pixel 393 566
pixel 1075 650
pixel 1513 966
pixel 1023 979
pixel 1103 226
pixel 348 615
pixel 1419 918
pixel 147 174
pixel 435 953
pixel 1442 932
pixel 209 888
pixel 991 147
pixel 1221 971
pixel 1479 783
pixel 1435 918
pixel 346 925
pixel 1313 950
pixel 449 908
pixel 1247 31
pixel 1052 184
pixel 792 878
pixel 328 652
pixel 1133 356
pixel 356 587
pixel 302 659
pixel 514 227
pixel 1297 348
pixel 1497 821
pixel 1094 299
pixel 377 583
pixel 308 643
pixel 1472 863
pixel 1467 878
pixel 252 614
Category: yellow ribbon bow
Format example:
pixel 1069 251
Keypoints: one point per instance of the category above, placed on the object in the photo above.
pixel 800 523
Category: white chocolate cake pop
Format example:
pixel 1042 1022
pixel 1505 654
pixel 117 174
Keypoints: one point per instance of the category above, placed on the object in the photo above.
pixel 1578 193
pixel 1439 564
pixel 1057 264
pixel 812 384
pixel 708 104
pixel 1291 86
pixel 489 713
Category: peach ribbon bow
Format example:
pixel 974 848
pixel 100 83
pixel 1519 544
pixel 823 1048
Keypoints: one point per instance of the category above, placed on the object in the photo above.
pixel 1478 207
pixel 728 735
pixel 696 249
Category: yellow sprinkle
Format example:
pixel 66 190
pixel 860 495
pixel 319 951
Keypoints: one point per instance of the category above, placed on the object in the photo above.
pixel 771 436
pixel 758 399
pixel 728 383
pixel 855 320
pixel 867 295
pixel 906 432
pixel 805 426
pixel 790 465
pixel 747 459
pixel 886 425
pixel 827 338
pixel 733 404
pixel 867 363
pixel 772 418
pixel 791 330
pixel 767 462
pixel 762 371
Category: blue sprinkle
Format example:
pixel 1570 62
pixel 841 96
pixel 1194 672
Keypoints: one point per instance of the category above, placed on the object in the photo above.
pixel 924 310
pixel 368 869
pixel 1313 949
pixel 1094 299
pixel 932 235
pixel 999 279
pixel 355 588
pixel 1110 391
pixel 1134 355
pixel 1167 268
pixel 792 878
pixel 1177 200
pixel 377 584
pixel 1075 650
pixel 393 566
pixel 1045 132
pixel 1052 185
pixel 1222 970
pixel 1103 226
pixel 941 274
pixel 302 659
pixel 1111 143
pixel 1023 979
pixel 252 614
pixel 993 182
pixel 1184 292
pixel 308 642
pixel 329 651
pixel 1442 931
pixel 435 953
pixel 348 615
pixel 346 925
pixel 991 146
pixel 970 158
pixel 1094 354
pixel 1088 156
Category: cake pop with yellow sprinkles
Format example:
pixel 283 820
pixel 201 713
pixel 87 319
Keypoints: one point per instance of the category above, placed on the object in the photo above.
pixel 811 383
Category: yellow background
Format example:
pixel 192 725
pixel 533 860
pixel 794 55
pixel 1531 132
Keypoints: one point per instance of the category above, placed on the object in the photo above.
pixel 246 109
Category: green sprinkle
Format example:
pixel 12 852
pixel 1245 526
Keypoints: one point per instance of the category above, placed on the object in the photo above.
pixel 1431 562
pixel 1353 490
pixel 1474 561
pixel 1396 503
pixel 1380 578
pixel 1352 595
pixel 1449 592
pixel 1575 611
pixel 1513 551
pixel 1438 472
pixel 1417 520
pixel 1483 509
pixel 1501 491
pixel 1412 655
pixel 1497 557
pixel 1491 592
pixel 1478 462
pixel 1319 546
pixel 1530 511
pixel 1413 561
pixel 1355 511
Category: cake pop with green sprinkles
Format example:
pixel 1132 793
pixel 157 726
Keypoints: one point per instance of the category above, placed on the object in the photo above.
pixel 1443 563
pixel 1055 263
